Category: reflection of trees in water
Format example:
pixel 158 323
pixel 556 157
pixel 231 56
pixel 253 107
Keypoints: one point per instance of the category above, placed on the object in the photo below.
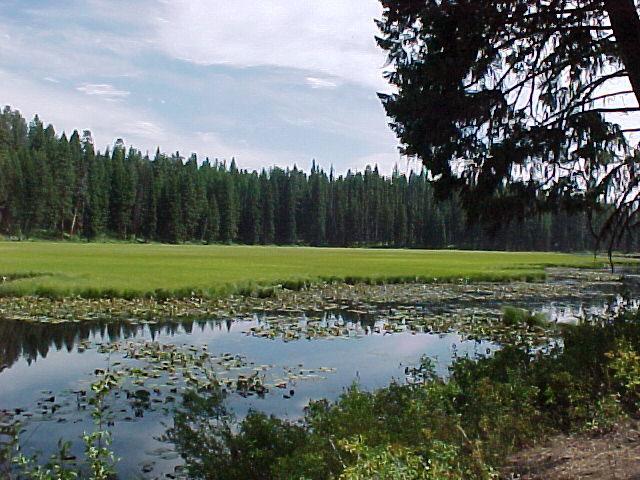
pixel 32 340
pixel 201 433
pixel 7 436
pixel 214 444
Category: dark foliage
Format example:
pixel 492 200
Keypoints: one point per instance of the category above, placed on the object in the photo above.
pixel 54 187
pixel 517 104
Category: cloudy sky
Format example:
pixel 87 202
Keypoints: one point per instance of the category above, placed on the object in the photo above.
pixel 269 81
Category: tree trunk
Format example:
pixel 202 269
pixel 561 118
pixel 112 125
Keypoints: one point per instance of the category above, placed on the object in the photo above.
pixel 73 223
pixel 204 230
pixel 625 23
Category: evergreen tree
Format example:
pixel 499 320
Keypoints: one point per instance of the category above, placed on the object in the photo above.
pixel 211 220
pixel 529 93
pixel 51 185
pixel 79 162
pixel 267 210
pixel 191 194
pixel 122 194
pixel 96 213
pixel 288 212
pixel 171 227
pixel 250 222
pixel 228 206
pixel 317 211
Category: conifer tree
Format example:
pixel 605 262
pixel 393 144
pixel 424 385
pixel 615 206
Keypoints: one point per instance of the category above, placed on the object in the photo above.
pixel 250 222
pixel 168 199
pixel 267 210
pixel 317 213
pixel 228 205
pixel 96 213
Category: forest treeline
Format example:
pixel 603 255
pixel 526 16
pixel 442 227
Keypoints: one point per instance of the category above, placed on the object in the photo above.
pixel 55 185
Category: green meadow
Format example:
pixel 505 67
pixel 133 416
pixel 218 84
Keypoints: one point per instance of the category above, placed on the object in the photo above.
pixel 134 270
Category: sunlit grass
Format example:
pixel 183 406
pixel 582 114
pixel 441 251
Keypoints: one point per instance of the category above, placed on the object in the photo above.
pixel 130 270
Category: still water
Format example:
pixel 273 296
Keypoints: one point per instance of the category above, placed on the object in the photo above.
pixel 46 367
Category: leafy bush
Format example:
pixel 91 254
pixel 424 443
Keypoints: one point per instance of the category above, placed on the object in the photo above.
pixel 625 366
pixel 459 427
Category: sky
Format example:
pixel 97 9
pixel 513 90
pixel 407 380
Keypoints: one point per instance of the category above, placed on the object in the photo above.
pixel 269 82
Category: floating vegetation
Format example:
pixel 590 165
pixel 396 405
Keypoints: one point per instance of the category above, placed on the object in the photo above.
pixel 152 375
pixel 187 346
pixel 170 369
pixel 474 324
pixel 8 432
pixel 475 310
pixel 151 379
pixel 485 311
pixel 358 298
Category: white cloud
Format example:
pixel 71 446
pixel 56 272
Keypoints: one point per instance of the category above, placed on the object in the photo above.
pixel 71 71
pixel 104 90
pixel 145 129
pixel 68 110
pixel 71 53
pixel 314 82
pixel 333 37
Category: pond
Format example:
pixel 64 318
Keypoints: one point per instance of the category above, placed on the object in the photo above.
pixel 301 347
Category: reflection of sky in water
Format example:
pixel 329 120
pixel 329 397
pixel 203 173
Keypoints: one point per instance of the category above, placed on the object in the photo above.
pixel 46 358
pixel 372 361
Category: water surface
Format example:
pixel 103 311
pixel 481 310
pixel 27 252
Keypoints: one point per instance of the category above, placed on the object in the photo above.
pixel 44 365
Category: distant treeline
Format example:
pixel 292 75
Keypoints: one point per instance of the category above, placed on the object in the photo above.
pixel 54 185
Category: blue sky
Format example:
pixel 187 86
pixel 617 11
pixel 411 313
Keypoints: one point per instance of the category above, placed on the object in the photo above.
pixel 268 82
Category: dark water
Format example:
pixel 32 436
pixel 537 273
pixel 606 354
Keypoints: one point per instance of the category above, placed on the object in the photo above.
pixel 44 364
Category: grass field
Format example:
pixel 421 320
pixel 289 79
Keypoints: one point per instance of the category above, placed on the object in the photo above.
pixel 131 270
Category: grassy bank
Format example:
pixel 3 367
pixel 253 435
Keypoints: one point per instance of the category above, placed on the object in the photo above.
pixel 129 270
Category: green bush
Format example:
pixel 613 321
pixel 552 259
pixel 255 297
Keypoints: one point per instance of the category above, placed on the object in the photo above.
pixel 460 427
pixel 625 367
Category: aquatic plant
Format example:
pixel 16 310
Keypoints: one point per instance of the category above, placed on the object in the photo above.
pixel 512 316
pixel 463 424
pixel 99 459
pixel 59 466
pixel 462 427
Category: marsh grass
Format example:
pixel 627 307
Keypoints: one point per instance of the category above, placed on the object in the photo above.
pixel 512 316
pixel 115 270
